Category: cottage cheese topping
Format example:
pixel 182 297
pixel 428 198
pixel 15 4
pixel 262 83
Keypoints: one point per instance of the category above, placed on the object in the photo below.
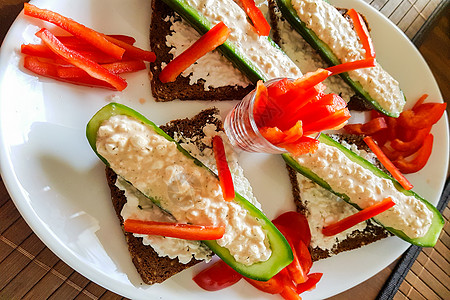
pixel 329 25
pixel 271 61
pixel 213 68
pixel 158 169
pixel 141 208
pixel 364 189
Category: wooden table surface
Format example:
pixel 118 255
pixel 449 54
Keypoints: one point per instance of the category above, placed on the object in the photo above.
pixel 29 270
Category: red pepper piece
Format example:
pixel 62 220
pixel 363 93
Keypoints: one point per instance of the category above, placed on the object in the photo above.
pixel 352 65
pixel 310 284
pixel 51 70
pixel 273 134
pixel 71 40
pixel 421 159
pixel 225 179
pixel 294 133
pixel 175 230
pixel 420 101
pixel 335 121
pixel 256 16
pixel 302 146
pixel 363 32
pixel 262 109
pixel 91 36
pixel 369 128
pixel 311 79
pixel 116 68
pixel 215 37
pixel 217 277
pixel 358 217
pixel 395 154
pixel 295 225
pixel 290 293
pixel 73 57
pixel 354 129
pixel 387 163
pixel 274 285
pixel 304 256
pixel 132 51
pixel 414 144
pixel 424 115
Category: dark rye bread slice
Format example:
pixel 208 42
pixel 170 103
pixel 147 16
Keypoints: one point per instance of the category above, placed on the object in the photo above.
pixel 357 239
pixel 181 88
pixel 356 102
pixel 153 268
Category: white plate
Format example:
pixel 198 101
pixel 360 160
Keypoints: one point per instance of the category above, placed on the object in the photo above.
pixel 58 184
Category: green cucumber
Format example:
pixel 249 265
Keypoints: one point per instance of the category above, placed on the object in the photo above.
pixel 428 240
pixel 281 251
pixel 289 13
pixel 228 49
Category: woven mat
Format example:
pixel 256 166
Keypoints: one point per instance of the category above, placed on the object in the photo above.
pixel 29 270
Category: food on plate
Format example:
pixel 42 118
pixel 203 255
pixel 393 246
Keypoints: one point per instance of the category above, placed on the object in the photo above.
pixel 361 184
pixel 156 166
pixel 332 35
pixel 86 58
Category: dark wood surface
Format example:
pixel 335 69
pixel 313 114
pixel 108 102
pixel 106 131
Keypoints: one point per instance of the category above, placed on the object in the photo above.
pixel 29 270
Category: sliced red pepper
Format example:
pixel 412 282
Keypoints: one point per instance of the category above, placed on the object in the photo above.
pixel 115 68
pixel 272 286
pixel 295 225
pixel 132 51
pixel 363 32
pixel 296 271
pixel 217 277
pixel 69 40
pixel 73 57
pixel 311 79
pixel 215 37
pixel 369 128
pixel 395 154
pixel 294 133
pixel 91 36
pixel 310 284
pixel 273 134
pixel 51 70
pixel 290 293
pixel 420 101
pixel 225 179
pixel 302 146
pixel 175 230
pixel 335 121
pixel 256 16
pixel 352 65
pixel 304 256
pixel 414 144
pixel 263 110
pixel 421 159
pixel 424 115
pixel 358 217
pixel 387 163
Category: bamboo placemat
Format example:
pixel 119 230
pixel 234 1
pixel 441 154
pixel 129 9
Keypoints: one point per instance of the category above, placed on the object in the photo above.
pixel 29 270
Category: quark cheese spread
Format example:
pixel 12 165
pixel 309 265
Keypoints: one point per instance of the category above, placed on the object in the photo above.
pixel 212 68
pixel 259 50
pixel 155 166
pixel 364 189
pixel 333 29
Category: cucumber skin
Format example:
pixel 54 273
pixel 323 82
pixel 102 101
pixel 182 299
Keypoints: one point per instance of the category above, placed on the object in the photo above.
pixel 281 251
pixel 431 237
pixel 326 53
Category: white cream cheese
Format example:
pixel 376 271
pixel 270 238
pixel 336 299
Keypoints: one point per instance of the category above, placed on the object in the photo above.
pixel 158 169
pixel 269 59
pixel 332 28
pixel 364 189
pixel 213 68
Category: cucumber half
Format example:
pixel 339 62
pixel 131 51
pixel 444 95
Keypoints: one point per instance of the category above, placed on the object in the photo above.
pixel 281 251
pixel 428 240
pixel 324 50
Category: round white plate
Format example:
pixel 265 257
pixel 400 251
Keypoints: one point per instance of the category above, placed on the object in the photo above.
pixel 58 184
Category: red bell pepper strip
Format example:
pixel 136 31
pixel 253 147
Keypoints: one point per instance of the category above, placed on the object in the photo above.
pixel 310 284
pixel 70 40
pixel 302 146
pixel 387 163
pixel 414 144
pixel 73 57
pixel 89 35
pixel 420 101
pixel 274 285
pixel 225 179
pixel 422 156
pixel 273 134
pixel 290 293
pixel 132 51
pixel 51 70
pixel 215 37
pixel 295 225
pixel 115 68
pixel 369 128
pixel 217 277
pixel 363 32
pixel 358 217
pixel 352 65
pixel 424 115
pixel 256 16
pixel 175 230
